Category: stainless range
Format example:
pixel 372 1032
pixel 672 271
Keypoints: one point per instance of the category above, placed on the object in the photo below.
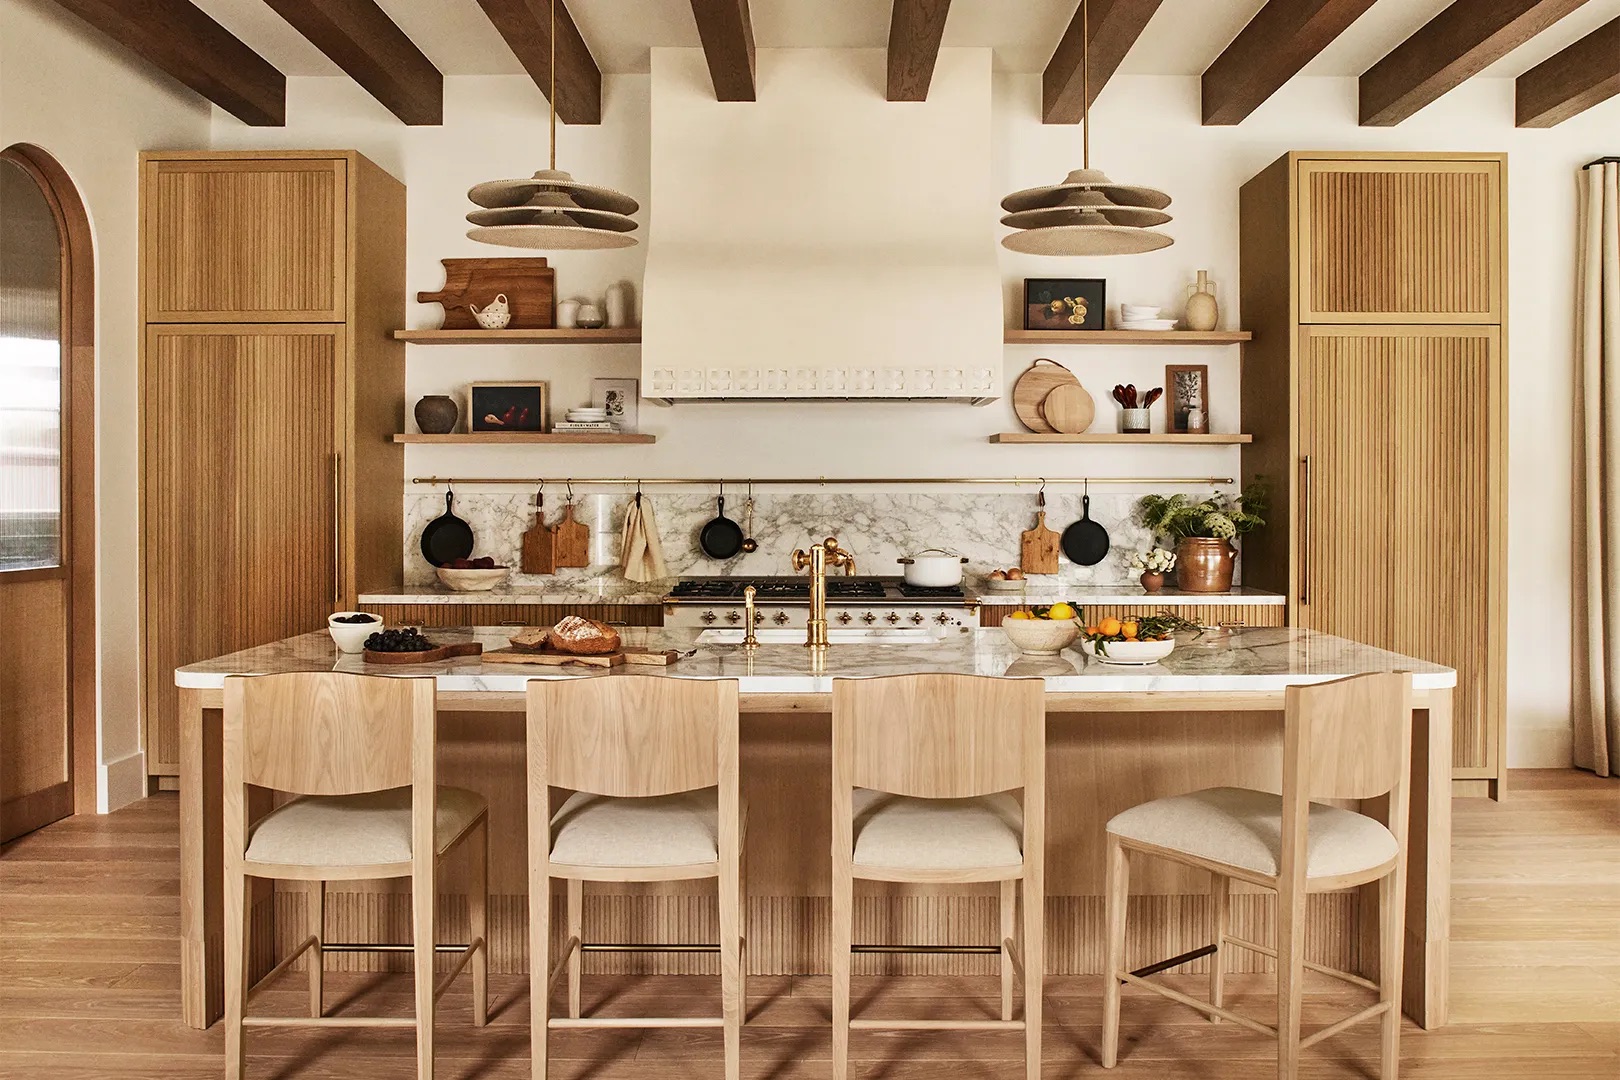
pixel 785 602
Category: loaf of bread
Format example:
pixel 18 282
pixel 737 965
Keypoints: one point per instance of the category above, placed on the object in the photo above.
pixel 530 638
pixel 584 637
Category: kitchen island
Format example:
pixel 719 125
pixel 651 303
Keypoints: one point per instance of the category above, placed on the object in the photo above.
pixel 1208 715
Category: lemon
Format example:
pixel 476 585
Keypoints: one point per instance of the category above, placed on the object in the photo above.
pixel 1020 615
pixel 1061 610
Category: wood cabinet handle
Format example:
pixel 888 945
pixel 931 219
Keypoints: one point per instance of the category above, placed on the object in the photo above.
pixel 1305 530
pixel 337 530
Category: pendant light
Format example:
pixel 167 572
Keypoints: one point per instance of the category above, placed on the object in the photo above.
pixel 1087 214
pixel 551 210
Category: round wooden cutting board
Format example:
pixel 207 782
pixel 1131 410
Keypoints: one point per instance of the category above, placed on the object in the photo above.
pixel 1069 408
pixel 1033 386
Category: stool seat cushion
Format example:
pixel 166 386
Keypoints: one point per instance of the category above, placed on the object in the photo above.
pixel 357 830
pixel 1243 828
pixel 661 830
pixel 937 834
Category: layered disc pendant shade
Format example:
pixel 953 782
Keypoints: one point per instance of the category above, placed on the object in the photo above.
pixel 551 210
pixel 1086 214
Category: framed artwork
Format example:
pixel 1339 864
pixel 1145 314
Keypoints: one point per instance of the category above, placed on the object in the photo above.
pixel 1188 388
pixel 1064 303
pixel 508 406
pixel 622 400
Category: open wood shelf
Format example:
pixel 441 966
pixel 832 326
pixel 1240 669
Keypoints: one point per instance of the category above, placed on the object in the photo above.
pixel 487 438
pixel 627 336
pixel 1164 437
pixel 1127 337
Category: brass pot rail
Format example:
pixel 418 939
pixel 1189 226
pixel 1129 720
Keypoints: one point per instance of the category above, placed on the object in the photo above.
pixel 822 481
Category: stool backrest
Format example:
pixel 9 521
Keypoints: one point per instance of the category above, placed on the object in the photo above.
pixel 329 733
pixel 632 735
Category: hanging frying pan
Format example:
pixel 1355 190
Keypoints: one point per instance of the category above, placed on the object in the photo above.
pixel 721 538
pixel 447 538
pixel 1085 541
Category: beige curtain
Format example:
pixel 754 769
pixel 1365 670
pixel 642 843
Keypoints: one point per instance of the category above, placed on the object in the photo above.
pixel 1597 474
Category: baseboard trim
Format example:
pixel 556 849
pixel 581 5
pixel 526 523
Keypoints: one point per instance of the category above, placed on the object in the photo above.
pixel 121 782
pixel 1540 748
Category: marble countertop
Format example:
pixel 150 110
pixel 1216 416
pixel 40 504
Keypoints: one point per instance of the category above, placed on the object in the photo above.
pixel 1252 659
pixel 581 591
pixel 1045 591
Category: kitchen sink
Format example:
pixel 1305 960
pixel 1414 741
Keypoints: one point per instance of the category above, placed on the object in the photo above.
pixel 861 635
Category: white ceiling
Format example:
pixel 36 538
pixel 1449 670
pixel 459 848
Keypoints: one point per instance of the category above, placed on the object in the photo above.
pixel 1182 38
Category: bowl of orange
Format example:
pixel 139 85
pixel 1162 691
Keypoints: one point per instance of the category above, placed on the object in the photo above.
pixel 1130 642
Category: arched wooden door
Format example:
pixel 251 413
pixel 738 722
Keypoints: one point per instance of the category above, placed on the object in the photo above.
pixel 47 495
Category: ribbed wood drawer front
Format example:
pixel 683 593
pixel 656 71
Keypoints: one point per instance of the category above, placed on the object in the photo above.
pixel 246 241
pixel 515 614
pixel 1414 242
pixel 1204 614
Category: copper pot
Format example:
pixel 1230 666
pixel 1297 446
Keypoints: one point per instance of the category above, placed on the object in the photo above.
pixel 1205 564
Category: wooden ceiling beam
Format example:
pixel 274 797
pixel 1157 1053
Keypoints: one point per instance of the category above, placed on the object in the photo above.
pixel 916 27
pixel 727 33
pixel 362 40
pixel 180 38
pixel 1115 26
pixel 1280 40
pixel 1460 42
pixel 1570 81
pixel 526 26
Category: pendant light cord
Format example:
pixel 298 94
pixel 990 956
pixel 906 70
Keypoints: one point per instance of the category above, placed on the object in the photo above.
pixel 1085 85
pixel 553 100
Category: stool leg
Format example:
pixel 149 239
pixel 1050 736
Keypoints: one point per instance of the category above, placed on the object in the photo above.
pixel 316 960
pixel 1009 931
pixel 576 929
pixel 238 894
pixel 843 940
pixel 1034 906
pixel 478 923
pixel 1219 900
pixel 731 1004
pixel 1290 976
pixel 742 929
pixel 422 901
pixel 1118 889
pixel 539 959
pixel 1392 933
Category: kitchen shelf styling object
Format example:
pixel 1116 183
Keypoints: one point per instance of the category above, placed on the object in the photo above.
pixel 528 284
pixel 1086 214
pixel 1126 337
pixel 1038 547
pixel 1068 409
pixel 1032 388
pixel 570 539
pixel 557 336
pixel 539 555
pixel 561 438
pixel 551 210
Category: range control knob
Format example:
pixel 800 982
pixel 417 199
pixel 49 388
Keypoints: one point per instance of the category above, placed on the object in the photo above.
pixel 779 618
pixel 917 617
pixel 891 618
pixel 759 618
pixel 844 617
pixel 733 617
pixel 943 619
pixel 707 617
pixel 868 618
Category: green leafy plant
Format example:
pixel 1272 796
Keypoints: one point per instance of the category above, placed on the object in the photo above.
pixel 1219 517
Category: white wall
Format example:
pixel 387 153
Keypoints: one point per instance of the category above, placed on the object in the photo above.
pixel 93 106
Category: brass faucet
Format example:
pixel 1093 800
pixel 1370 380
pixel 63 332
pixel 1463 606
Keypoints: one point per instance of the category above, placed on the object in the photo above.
pixel 817 560
pixel 750 640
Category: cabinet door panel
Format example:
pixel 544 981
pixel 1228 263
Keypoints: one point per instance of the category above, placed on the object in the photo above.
pixel 1400 242
pixel 238 510
pixel 245 241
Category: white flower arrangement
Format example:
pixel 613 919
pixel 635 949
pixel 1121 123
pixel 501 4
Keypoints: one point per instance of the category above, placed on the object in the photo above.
pixel 1154 561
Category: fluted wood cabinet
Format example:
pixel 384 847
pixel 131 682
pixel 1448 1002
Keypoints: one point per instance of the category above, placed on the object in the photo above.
pixel 1374 387
pixel 271 387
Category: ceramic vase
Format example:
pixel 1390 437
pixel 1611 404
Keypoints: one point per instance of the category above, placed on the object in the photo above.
pixel 1202 311
pixel 619 303
pixel 568 314
pixel 590 317
pixel 436 414
pixel 1151 582
pixel 1205 564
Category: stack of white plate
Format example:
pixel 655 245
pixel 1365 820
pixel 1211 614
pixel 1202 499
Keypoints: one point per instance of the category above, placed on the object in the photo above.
pixel 1142 317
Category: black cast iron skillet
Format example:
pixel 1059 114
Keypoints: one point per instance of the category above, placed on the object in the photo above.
pixel 447 538
pixel 721 538
pixel 1085 541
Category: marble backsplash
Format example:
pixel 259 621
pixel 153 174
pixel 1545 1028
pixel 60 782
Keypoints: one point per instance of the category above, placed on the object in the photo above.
pixel 878 527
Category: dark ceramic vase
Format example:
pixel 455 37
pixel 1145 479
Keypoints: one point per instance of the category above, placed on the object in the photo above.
pixel 436 414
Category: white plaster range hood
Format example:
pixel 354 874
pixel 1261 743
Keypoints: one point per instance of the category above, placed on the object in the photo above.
pixel 821 242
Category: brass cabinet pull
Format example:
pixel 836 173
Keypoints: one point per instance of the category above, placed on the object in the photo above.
pixel 1305 530
pixel 337 530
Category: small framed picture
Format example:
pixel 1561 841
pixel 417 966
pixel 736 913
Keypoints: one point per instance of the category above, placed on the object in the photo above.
pixel 1064 303
pixel 622 400
pixel 1188 388
pixel 508 406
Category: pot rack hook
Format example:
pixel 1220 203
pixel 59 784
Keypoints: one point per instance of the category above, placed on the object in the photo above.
pixel 638 492
pixel 540 496
pixel 570 483
pixel 1040 496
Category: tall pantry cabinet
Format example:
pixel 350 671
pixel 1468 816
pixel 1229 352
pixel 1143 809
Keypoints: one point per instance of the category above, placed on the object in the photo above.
pixel 1374 388
pixel 271 388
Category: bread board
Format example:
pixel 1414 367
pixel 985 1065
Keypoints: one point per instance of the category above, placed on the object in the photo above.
pixel 529 285
pixel 1038 548
pixel 1068 409
pixel 552 658
pixel 1033 386
pixel 428 656
pixel 570 541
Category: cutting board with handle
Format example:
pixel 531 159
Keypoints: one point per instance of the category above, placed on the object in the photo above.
pixel 552 658
pixel 529 285
pixel 570 540
pixel 539 554
pixel 1032 387
pixel 1038 547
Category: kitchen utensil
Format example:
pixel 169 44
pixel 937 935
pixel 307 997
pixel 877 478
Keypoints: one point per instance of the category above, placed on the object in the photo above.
pixel 471 580
pixel 721 538
pixel 527 283
pixel 429 656
pixel 446 538
pixel 1040 637
pixel 1033 386
pixel 1085 541
pixel 1068 409
pixel 933 571
pixel 538 554
pixel 570 539
pixel 1130 653
pixel 350 637
pixel 1038 547
pixel 1152 395
pixel 749 544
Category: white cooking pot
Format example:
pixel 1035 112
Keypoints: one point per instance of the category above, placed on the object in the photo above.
pixel 941 571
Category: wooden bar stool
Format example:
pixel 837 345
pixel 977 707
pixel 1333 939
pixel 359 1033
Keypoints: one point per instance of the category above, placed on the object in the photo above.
pixel 652 766
pixel 1349 739
pixel 358 752
pixel 923 771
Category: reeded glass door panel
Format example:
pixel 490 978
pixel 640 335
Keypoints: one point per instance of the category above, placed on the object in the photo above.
pixel 30 376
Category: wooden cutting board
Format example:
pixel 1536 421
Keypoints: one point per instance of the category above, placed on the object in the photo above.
pixel 1038 548
pixel 443 652
pixel 570 541
pixel 1068 408
pixel 1033 386
pixel 539 555
pixel 553 658
pixel 529 285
